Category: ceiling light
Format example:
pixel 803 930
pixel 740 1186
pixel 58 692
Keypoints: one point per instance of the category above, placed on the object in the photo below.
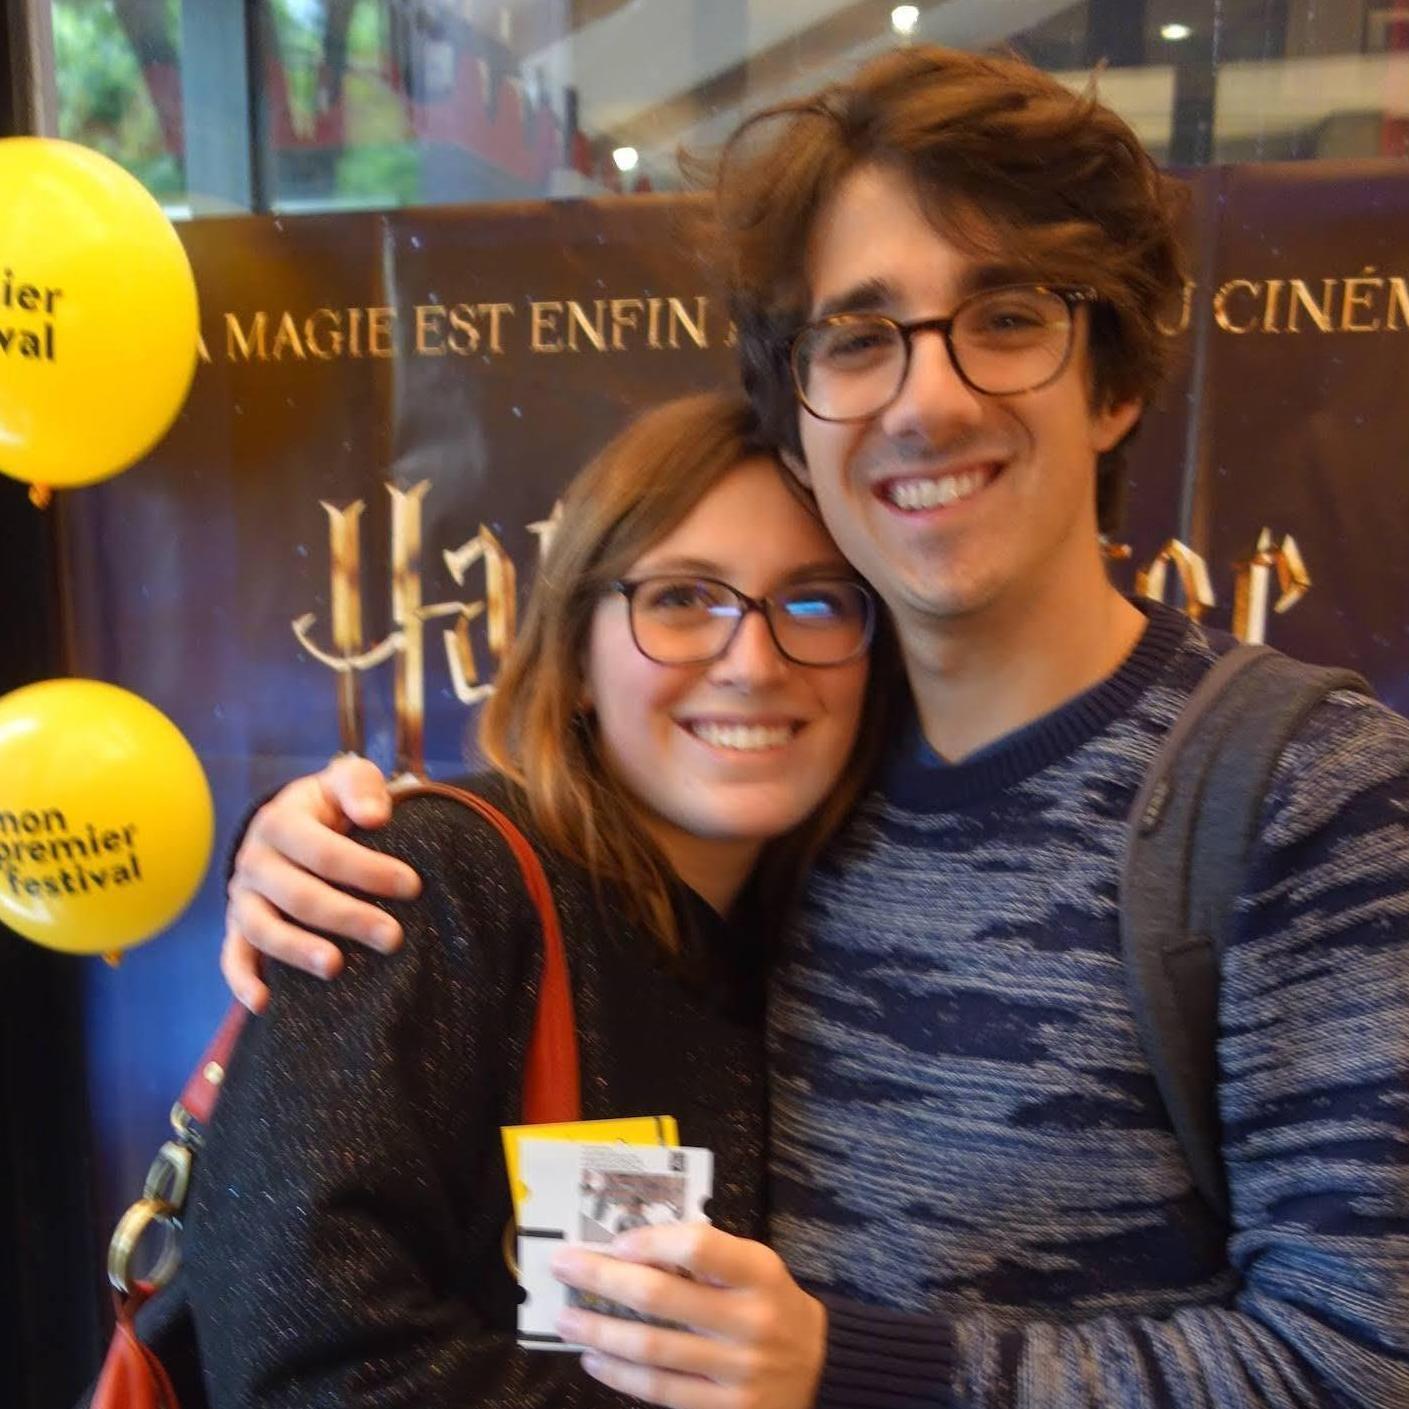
pixel 1175 32
pixel 626 158
pixel 904 18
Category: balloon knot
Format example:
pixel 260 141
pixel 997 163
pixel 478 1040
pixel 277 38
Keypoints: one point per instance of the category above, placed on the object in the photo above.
pixel 112 958
pixel 40 495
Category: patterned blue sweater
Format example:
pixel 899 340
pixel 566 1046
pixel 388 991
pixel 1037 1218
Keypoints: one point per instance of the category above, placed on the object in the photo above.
pixel 971 1162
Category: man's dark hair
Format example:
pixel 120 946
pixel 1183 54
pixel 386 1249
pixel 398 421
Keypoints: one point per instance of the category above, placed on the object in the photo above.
pixel 1008 162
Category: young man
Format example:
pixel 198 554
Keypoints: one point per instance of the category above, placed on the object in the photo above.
pixel 948 273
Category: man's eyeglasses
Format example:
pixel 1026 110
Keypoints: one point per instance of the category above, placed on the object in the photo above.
pixel 691 620
pixel 1001 341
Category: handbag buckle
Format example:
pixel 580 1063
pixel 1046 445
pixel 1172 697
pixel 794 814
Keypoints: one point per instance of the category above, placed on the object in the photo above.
pixel 130 1230
pixel 163 1199
pixel 169 1177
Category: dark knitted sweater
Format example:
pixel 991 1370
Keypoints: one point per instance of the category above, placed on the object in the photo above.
pixel 344 1237
pixel 969 1153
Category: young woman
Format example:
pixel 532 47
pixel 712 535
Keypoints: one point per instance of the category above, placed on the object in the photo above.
pixel 677 729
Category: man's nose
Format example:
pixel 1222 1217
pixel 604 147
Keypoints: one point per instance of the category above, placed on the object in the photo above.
pixel 934 401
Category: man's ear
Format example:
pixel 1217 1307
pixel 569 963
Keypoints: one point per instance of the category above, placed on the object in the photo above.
pixel 797 467
pixel 1111 424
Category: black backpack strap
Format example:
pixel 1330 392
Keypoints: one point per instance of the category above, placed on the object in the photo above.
pixel 1190 829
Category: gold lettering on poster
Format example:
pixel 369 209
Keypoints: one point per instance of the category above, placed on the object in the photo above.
pixel 496 312
pixel 285 339
pixel 1343 305
pixel 465 334
pixel 379 321
pixel 321 324
pixel 1221 314
pixel 616 324
pixel 1269 308
pixel 1320 312
pixel 694 328
pixel 347 658
pixel 325 334
pixel 1398 318
pixel 1192 571
pixel 1253 580
pixel 430 330
pixel 546 336
pixel 409 612
pixel 1186 312
pixel 251 347
pixel 1366 302
pixel 409 686
pixel 591 329
pixel 1359 295
pixel 626 317
pixel 500 598
pixel 544 529
pixel 345 547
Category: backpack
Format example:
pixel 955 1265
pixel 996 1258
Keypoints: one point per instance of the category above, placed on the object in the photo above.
pixel 1190 830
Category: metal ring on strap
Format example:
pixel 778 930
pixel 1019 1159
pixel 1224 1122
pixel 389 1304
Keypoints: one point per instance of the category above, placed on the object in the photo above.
pixel 170 1176
pixel 130 1230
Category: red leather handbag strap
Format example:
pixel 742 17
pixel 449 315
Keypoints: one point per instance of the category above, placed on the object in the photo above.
pixel 197 1099
pixel 551 1086
pixel 132 1376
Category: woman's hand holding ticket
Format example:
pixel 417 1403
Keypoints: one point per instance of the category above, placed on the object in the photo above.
pixel 752 1338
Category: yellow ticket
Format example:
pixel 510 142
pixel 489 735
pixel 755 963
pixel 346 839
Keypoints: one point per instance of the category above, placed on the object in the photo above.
pixel 629 1130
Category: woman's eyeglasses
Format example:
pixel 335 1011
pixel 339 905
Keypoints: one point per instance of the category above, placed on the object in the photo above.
pixel 851 366
pixel 690 620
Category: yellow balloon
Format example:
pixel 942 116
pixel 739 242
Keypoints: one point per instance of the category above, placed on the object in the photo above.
pixel 106 820
pixel 98 321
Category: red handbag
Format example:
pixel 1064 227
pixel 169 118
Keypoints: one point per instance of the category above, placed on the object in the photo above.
pixel 155 1366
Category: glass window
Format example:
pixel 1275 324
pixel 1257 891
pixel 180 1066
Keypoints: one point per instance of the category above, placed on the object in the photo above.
pixel 327 104
pixel 117 70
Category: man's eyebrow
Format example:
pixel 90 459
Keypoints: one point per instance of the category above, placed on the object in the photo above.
pixel 869 296
pixel 877 295
pixel 995 275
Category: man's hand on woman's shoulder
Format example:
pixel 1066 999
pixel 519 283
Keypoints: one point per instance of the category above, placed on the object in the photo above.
pixel 292 860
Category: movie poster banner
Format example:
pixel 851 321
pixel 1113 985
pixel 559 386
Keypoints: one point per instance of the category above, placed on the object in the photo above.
pixel 1300 498
pixel 329 549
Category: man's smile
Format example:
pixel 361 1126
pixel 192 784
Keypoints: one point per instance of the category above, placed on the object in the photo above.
pixel 921 493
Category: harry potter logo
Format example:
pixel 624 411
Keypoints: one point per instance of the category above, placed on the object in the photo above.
pixel 1252 578
pixel 350 658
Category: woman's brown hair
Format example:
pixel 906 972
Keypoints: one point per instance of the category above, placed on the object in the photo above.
pixel 534 729
pixel 1009 163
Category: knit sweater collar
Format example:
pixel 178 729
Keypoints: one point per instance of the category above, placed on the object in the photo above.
pixel 916 777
